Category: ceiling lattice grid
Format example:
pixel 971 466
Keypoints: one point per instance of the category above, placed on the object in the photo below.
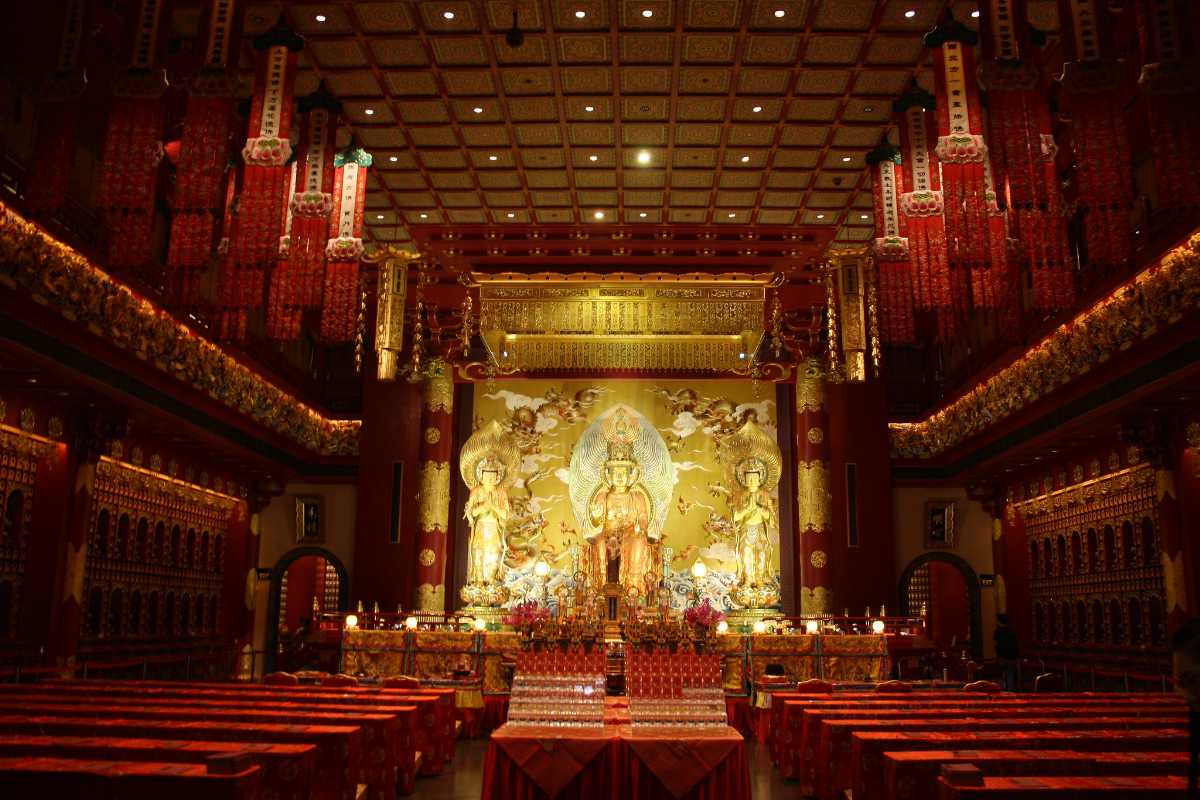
pixel 725 116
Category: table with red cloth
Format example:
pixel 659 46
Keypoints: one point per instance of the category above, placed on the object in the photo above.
pixel 1073 788
pixel 615 762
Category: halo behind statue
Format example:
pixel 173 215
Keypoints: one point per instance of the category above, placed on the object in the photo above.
pixel 752 448
pixel 491 443
pixel 635 439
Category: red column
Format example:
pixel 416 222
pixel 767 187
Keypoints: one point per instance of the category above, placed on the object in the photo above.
pixel 814 524
pixel 39 620
pixel 433 501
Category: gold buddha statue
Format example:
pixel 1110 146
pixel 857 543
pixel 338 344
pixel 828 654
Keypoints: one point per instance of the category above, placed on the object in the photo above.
pixel 754 463
pixel 488 463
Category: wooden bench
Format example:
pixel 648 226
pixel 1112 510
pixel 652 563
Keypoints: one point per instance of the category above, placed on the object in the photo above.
pixel 833 754
pixel 377 767
pixel 1066 788
pixel 287 769
pixel 70 778
pixel 406 737
pixel 914 775
pixel 339 748
pixel 439 728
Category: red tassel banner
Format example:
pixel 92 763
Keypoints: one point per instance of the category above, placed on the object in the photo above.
pixel 340 301
pixel 896 322
pixel 962 152
pixel 298 283
pixel 133 144
pixel 922 208
pixel 54 152
pixel 1170 80
pixel 267 150
pixel 1022 154
pixel 204 153
pixel 283 320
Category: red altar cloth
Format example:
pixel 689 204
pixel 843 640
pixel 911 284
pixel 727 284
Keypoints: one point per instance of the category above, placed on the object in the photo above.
pixel 615 763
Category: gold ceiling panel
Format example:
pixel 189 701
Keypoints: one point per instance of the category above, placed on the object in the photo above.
pixel 584 49
pixel 700 108
pixel 529 15
pixel 385 17
pixel 833 50
pixel 468 51
pixel 586 80
pixel 771 50
pixel 708 49
pixel 647 48
pixel 535 50
pixel 713 13
pixel 451 180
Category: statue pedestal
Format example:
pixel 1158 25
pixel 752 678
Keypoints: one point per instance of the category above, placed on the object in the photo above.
pixel 493 615
pixel 614 610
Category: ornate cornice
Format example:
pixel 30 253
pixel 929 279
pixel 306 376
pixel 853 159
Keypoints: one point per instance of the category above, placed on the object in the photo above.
pixel 60 278
pixel 1157 297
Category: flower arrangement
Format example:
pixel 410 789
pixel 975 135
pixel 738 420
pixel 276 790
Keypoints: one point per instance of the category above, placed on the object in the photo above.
pixel 526 614
pixel 703 615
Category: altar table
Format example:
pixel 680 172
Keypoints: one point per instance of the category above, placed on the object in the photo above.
pixel 615 763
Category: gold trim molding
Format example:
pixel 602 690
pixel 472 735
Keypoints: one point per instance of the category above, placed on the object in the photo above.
pixel 1160 295
pixel 692 322
pixel 60 278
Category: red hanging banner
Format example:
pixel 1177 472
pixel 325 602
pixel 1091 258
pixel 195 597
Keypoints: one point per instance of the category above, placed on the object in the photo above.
pixel 262 200
pixel 54 152
pixel 1171 80
pixel 896 323
pixel 340 300
pixel 203 156
pixel 962 153
pixel 1022 153
pixel 1093 99
pixel 298 282
pixel 922 208
pixel 128 170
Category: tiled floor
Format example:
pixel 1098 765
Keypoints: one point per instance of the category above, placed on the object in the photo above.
pixel 463 781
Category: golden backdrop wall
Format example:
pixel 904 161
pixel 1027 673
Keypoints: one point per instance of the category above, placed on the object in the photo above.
pixel 683 423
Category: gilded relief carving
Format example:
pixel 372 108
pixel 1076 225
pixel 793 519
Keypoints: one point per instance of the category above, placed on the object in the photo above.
pixel 433 499
pixel 816 512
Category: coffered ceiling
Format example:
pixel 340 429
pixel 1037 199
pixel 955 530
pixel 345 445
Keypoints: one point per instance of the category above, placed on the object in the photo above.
pixel 722 132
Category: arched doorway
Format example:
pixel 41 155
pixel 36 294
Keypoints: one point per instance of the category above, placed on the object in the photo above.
pixel 944 578
pixel 309 562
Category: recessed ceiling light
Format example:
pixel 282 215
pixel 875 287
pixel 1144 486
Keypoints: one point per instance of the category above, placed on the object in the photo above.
pixel 593 158
pixel 845 159
pixel 868 109
pixel 599 215
pixel 370 112
pixel 589 109
pixel 975 14
pixel 448 14
pixel 642 214
pixel 510 215
pixel 910 13
pixel 820 216
pixel 493 158
pixel 393 159
pixel 379 216
pixel 580 14
pixel 478 109
pixel 732 214
pixel 756 109
pixel 745 159
pixel 862 216
pixel 320 18
pixel 780 13
pixel 424 216
pixel 647 13
pixel 643 157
